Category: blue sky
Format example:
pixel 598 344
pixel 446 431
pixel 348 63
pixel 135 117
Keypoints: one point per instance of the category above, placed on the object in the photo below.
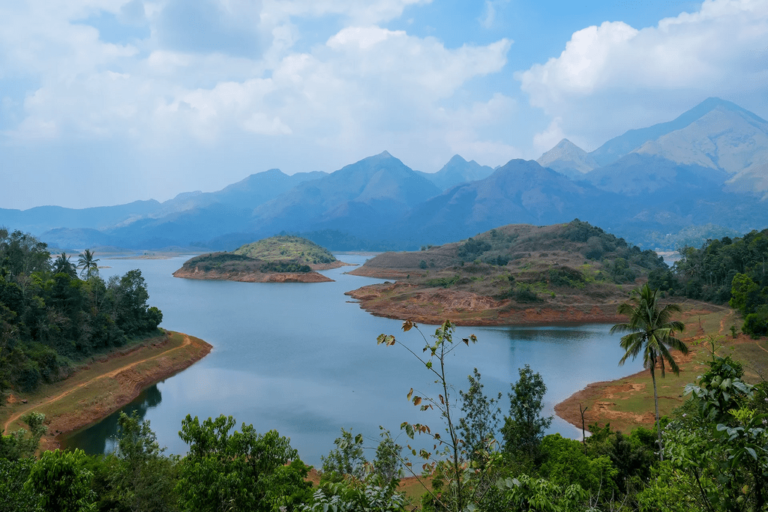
pixel 109 101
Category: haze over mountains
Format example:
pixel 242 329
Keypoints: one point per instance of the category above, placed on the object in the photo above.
pixel 707 167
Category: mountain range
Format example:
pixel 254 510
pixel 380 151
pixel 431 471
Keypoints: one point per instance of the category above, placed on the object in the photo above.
pixel 708 167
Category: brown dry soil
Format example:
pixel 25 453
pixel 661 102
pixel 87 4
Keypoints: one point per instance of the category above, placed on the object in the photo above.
pixel 255 277
pixel 628 403
pixel 402 300
pixel 105 385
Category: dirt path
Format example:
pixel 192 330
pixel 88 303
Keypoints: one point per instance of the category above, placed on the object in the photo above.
pixel 107 375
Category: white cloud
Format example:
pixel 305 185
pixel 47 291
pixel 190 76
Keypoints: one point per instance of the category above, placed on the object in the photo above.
pixel 619 77
pixel 547 139
pixel 364 89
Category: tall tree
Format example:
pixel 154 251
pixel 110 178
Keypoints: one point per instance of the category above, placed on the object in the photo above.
pixel 651 331
pixel 88 263
pixel 524 428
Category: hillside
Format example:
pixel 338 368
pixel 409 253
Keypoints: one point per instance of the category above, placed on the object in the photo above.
pixel 293 248
pixel 278 259
pixel 514 274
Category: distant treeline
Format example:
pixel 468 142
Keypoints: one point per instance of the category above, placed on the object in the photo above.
pixel 51 317
pixel 728 270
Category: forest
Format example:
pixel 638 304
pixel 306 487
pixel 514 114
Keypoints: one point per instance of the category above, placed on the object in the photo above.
pixel 54 313
pixel 726 271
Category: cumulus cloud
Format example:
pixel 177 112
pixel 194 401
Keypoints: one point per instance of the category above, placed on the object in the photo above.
pixel 613 77
pixel 240 91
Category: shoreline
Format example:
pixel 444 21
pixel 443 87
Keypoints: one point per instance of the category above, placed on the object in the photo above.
pixel 97 390
pixel 627 402
pixel 264 277
pixel 432 306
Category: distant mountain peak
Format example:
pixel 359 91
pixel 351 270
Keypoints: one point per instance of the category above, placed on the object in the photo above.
pixel 624 144
pixel 566 157
pixel 457 159
pixel 385 154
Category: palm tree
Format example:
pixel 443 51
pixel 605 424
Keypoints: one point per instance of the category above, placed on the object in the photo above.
pixel 652 331
pixel 62 265
pixel 88 263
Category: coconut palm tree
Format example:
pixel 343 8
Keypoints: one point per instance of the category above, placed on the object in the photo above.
pixel 651 331
pixel 87 262
pixel 62 265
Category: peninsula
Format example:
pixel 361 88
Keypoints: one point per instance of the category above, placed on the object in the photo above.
pixel 279 259
pixel 515 274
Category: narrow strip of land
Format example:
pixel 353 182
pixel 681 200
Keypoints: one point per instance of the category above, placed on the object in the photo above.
pixel 104 386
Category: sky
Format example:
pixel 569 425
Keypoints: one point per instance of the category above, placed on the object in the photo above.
pixel 109 101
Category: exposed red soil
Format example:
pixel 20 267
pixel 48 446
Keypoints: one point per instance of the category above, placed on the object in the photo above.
pixel 435 305
pixel 256 277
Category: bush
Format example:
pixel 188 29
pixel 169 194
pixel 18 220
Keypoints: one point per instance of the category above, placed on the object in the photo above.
pixel 756 324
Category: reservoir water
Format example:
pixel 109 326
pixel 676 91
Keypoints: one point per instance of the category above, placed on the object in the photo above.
pixel 301 359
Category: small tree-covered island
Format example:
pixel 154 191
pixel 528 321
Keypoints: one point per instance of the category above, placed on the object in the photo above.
pixel 278 259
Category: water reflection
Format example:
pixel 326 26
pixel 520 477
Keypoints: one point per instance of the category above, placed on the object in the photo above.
pixel 100 438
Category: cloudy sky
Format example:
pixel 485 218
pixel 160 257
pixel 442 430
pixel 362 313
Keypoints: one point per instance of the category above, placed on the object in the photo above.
pixel 109 101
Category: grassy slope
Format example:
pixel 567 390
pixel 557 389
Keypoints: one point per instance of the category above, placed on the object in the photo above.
pixel 294 248
pixel 627 403
pixel 518 266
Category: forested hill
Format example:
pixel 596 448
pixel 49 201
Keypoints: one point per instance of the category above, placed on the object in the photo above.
pixel 55 313
pixel 728 270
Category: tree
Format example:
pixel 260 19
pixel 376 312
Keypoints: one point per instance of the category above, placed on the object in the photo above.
pixel 524 427
pixel 454 486
pixel 386 465
pixel 62 265
pixel 61 482
pixel 481 417
pixel 651 331
pixel 235 470
pixel 88 263
pixel 347 458
pixel 144 480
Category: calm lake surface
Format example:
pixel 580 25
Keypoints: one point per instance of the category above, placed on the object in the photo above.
pixel 300 359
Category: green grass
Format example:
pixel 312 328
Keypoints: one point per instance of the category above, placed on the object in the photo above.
pixel 279 248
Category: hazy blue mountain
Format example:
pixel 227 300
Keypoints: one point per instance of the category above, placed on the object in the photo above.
pixel 358 197
pixel 519 192
pixel 77 238
pixel 636 174
pixel 457 171
pixel 634 139
pixel 727 138
pixel 753 180
pixel 569 159
pixel 44 218
pixel 249 193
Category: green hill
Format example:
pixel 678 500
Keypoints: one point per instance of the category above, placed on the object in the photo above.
pixel 281 248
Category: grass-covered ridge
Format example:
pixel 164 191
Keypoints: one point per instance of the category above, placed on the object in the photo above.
pixel 280 248
pixel 563 272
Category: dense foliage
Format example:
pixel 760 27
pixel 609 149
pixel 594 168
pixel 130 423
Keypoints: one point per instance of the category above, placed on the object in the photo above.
pixel 51 317
pixel 732 271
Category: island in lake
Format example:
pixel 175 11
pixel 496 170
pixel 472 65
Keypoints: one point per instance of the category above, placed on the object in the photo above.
pixel 511 275
pixel 278 259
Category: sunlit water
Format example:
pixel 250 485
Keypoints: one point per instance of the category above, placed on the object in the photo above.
pixel 303 360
